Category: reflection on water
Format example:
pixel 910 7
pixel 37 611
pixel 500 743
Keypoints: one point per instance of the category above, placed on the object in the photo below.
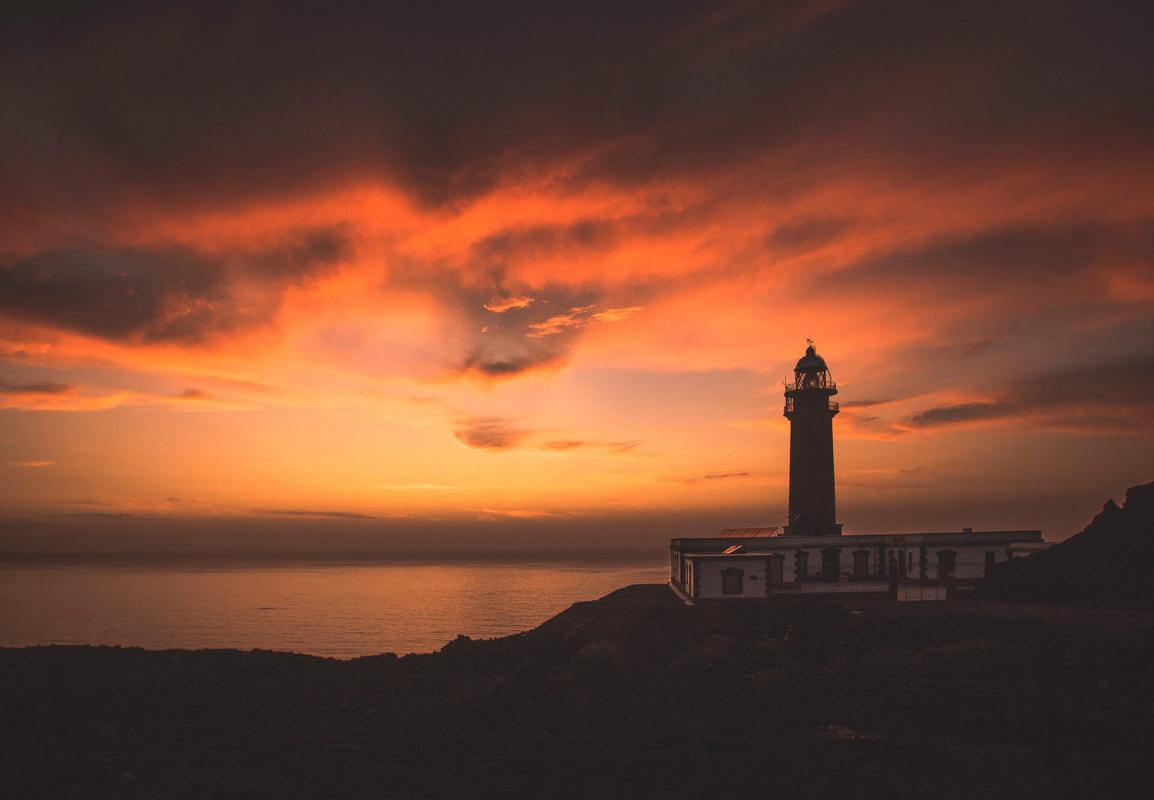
pixel 339 611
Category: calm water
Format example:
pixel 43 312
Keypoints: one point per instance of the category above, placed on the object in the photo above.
pixel 340 611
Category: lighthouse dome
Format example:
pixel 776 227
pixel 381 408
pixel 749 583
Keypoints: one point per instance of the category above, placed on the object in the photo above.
pixel 810 362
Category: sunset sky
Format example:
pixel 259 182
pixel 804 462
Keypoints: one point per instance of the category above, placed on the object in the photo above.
pixel 463 269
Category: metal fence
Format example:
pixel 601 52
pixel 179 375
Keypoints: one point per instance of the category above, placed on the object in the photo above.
pixel 830 587
pixel 931 570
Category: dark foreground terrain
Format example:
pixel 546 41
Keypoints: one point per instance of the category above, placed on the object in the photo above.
pixel 633 695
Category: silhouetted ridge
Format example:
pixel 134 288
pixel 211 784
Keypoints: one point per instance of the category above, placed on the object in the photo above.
pixel 1106 565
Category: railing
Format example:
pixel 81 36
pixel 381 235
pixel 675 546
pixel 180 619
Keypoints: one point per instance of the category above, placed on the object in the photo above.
pixel 830 587
pixel 933 572
pixel 793 387
pixel 790 406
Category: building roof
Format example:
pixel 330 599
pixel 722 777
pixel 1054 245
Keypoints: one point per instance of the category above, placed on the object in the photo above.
pixel 749 533
pixel 770 540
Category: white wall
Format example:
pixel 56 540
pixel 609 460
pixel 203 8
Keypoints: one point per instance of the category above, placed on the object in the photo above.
pixel 707 577
pixel 845 562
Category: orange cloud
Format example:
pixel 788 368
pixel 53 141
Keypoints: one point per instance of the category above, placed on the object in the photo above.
pixel 501 305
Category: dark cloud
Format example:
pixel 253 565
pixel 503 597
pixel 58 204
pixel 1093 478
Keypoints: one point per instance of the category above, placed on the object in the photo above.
pixel 501 330
pixel 521 243
pixel 496 433
pixel 490 433
pixel 154 294
pixel 886 481
pixel 533 336
pixel 575 444
pixel 993 262
pixel 871 425
pixel 35 388
pixel 292 512
pixel 117 294
pixel 232 384
pixel 299 257
pixel 713 476
pixel 509 358
pixel 848 404
pixel 805 235
pixel 961 412
pixel 564 444
pixel 718 476
pixel 1115 379
pixel 1116 394
pixel 189 104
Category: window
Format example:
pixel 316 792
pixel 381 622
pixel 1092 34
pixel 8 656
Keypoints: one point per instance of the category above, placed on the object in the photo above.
pixel 830 562
pixel 991 559
pixel 732 581
pixel 947 563
pixel 861 564
pixel 801 565
pixel 776 569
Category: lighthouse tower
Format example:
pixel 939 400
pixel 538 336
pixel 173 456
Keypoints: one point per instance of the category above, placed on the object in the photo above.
pixel 810 412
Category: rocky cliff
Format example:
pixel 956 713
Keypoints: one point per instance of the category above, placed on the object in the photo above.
pixel 1110 564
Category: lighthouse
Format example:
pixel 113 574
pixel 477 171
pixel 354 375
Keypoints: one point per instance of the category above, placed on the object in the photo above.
pixel 810 411
pixel 810 555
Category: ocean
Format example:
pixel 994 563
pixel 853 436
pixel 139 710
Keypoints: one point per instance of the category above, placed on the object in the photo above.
pixel 339 611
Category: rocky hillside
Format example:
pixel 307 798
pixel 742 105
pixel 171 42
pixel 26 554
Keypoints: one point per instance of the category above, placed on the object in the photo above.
pixel 1110 564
